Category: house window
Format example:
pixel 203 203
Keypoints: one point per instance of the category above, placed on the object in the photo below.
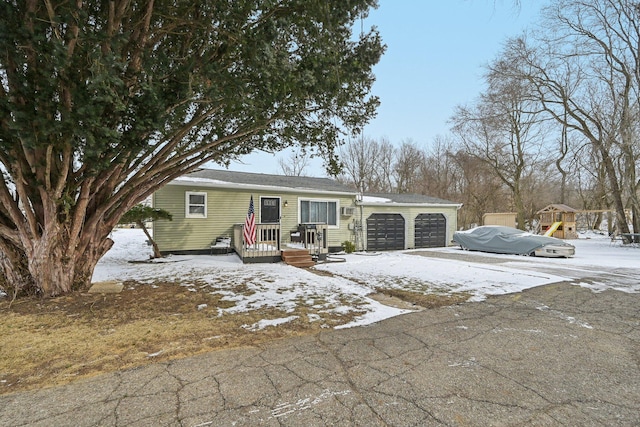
pixel 319 211
pixel 196 205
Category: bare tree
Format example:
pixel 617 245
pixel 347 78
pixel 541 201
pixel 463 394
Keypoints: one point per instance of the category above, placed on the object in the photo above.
pixel 477 187
pixel 439 174
pixel 585 66
pixel 504 130
pixel 386 159
pixel 593 193
pixel 366 164
pixel 296 164
pixel 409 161
pixel 563 150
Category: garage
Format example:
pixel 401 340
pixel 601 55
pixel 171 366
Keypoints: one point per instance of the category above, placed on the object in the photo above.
pixel 385 232
pixel 430 230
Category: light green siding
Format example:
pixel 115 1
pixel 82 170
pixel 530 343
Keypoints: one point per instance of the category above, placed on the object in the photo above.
pixel 336 234
pixel 228 206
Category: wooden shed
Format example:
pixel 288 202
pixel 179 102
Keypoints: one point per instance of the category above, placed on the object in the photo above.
pixel 559 221
pixel 507 219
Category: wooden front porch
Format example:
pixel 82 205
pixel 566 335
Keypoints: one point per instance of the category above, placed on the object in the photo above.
pixel 270 242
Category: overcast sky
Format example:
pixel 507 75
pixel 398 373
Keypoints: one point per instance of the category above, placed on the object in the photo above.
pixel 435 53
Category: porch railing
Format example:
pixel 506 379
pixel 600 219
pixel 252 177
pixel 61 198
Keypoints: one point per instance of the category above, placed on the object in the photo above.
pixel 314 238
pixel 267 246
pixel 269 242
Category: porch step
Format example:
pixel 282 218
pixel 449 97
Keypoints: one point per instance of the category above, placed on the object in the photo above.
pixel 297 258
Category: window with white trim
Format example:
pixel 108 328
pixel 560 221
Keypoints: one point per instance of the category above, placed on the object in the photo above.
pixel 319 211
pixel 196 205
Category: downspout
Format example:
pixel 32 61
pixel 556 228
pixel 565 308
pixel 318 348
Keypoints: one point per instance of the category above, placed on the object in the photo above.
pixel 359 229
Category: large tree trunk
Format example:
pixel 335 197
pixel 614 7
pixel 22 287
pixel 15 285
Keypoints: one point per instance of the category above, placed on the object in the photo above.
pixel 53 264
pixel 87 261
pixel 616 193
pixel 14 274
pixel 52 269
pixel 519 205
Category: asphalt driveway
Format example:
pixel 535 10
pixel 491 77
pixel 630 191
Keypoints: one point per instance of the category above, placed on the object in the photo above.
pixel 554 355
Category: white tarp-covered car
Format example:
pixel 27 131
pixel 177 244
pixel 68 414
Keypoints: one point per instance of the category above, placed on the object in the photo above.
pixel 507 240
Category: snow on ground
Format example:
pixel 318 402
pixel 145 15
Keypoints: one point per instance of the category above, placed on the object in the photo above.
pixel 253 286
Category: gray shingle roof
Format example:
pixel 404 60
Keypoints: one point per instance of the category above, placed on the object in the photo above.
pixel 297 182
pixel 306 183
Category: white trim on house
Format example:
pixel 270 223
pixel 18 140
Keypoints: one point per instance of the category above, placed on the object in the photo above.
pixel 324 199
pixel 419 205
pixel 188 204
pixel 212 183
pixel 280 202
pixel 229 192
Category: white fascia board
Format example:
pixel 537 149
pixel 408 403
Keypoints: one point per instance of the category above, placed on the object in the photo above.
pixel 422 205
pixel 211 183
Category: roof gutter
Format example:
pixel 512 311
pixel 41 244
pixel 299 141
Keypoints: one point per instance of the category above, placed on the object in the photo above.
pixel 203 182
pixel 458 206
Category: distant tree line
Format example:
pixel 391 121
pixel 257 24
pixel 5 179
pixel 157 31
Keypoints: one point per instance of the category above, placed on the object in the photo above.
pixel 558 122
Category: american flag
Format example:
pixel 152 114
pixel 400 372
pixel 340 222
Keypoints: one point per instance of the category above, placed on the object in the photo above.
pixel 250 225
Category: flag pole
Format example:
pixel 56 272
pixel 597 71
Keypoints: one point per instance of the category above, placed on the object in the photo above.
pixel 249 229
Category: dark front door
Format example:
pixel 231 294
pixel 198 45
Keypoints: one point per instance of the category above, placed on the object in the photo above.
pixel 269 210
pixel 270 214
pixel 431 230
pixel 385 232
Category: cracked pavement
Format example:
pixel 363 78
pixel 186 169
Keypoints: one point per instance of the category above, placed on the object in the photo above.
pixel 554 355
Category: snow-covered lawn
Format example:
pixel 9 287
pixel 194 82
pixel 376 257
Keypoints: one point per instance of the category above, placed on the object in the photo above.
pixel 253 286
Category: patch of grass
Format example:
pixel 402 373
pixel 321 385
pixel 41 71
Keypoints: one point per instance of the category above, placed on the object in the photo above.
pixel 52 342
pixel 243 289
pixel 432 300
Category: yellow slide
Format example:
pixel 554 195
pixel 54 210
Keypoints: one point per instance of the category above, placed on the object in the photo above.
pixel 553 228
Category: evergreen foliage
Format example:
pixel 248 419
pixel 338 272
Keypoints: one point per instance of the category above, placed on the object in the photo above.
pixel 139 215
pixel 104 102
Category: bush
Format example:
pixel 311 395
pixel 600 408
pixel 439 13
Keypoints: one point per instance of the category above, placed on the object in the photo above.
pixel 348 246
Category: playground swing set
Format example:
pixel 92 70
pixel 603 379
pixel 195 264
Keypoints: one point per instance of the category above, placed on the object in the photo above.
pixel 558 220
